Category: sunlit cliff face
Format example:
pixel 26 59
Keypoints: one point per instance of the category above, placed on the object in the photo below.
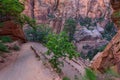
pixel 67 8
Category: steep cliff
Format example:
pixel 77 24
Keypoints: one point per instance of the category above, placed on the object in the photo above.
pixel 55 12
pixel 91 17
pixel 111 55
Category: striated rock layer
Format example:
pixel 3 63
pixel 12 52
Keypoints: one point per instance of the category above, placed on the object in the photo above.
pixel 55 12
pixel 13 30
pixel 111 55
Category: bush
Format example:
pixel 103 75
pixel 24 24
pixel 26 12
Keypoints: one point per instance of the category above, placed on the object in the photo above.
pixel 3 48
pixel 109 31
pixel 11 8
pixel 5 39
pixel 92 53
pixel 85 21
pixel 61 47
pixel 69 28
pixel 65 78
pixel 89 75
pixel 38 34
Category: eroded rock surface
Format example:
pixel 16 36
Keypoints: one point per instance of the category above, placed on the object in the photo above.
pixel 56 12
pixel 10 28
pixel 111 55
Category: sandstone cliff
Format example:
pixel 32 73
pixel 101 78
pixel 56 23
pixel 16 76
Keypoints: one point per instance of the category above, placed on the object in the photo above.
pixel 111 55
pixel 10 28
pixel 55 12
pixel 91 16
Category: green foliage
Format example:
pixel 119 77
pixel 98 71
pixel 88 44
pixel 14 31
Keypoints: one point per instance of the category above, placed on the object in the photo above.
pixel 3 48
pixel 60 47
pixel 65 78
pixel 38 33
pixel 23 19
pixel 93 52
pixel 85 21
pixel 5 39
pixel 1 24
pixel 109 31
pixel 10 7
pixel 69 27
pixel 90 75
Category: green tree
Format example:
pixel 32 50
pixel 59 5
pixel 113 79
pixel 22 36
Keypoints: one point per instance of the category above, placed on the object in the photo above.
pixel 69 28
pixel 60 47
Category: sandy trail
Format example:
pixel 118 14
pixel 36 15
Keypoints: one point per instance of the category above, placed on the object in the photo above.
pixel 27 67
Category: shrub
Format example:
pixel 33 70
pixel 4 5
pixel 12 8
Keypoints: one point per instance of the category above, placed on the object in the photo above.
pixel 38 34
pixel 5 39
pixel 65 78
pixel 92 53
pixel 11 8
pixel 3 48
pixel 89 75
pixel 85 21
pixel 61 47
pixel 69 28
pixel 109 31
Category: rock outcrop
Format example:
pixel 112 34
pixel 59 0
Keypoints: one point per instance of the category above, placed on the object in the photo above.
pixel 111 55
pixel 10 28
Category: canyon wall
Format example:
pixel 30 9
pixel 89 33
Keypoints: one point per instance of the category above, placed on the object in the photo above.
pixel 110 57
pixel 55 12
pixel 91 17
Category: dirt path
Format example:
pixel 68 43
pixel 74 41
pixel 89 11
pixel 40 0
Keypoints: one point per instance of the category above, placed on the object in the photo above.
pixel 27 67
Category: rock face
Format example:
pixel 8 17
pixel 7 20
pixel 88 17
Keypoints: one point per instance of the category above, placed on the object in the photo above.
pixel 91 16
pixel 111 55
pixel 13 30
pixel 55 12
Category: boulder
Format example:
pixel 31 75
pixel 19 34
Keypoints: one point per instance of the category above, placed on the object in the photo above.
pixel 85 34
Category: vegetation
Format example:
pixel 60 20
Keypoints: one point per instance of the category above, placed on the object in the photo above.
pixel 109 31
pixel 38 34
pixel 65 78
pixel 93 52
pixel 3 48
pixel 11 8
pixel 89 75
pixel 69 28
pixel 60 47
pixel 5 39
pixel 87 22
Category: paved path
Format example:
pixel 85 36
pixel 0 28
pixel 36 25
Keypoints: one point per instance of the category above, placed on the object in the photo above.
pixel 27 67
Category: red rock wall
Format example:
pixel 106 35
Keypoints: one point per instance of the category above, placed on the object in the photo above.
pixel 13 30
pixel 111 55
